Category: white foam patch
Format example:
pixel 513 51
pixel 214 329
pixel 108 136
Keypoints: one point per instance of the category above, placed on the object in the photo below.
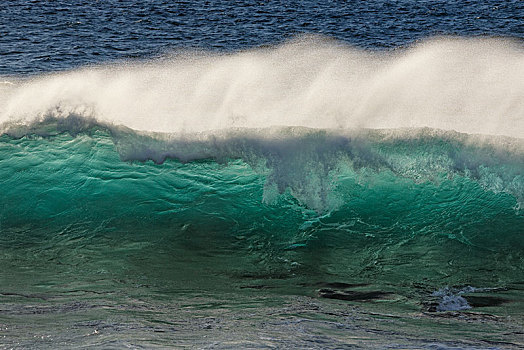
pixel 467 85
pixel 451 299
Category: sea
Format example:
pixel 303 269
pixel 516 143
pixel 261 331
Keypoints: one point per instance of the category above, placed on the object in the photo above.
pixel 262 174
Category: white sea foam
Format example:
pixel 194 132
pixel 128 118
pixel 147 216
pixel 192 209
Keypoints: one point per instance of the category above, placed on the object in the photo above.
pixel 451 299
pixel 467 85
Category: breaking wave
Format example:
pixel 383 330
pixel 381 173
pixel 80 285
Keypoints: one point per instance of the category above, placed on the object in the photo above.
pixel 298 139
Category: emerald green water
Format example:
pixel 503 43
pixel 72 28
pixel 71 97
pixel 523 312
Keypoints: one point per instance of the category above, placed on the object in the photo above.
pixel 113 239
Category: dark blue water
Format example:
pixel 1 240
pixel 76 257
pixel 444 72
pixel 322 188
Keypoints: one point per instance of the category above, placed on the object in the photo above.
pixel 38 36
pixel 262 174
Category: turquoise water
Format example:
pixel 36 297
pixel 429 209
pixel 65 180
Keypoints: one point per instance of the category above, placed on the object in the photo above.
pixel 141 239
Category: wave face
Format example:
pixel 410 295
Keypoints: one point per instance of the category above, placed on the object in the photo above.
pixel 428 195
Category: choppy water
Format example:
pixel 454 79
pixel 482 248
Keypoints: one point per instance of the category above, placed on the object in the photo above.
pixel 216 191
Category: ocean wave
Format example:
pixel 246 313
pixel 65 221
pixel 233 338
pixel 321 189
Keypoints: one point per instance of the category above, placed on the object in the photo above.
pixel 284 197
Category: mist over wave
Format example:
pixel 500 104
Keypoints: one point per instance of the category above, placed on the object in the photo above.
pixel 466 85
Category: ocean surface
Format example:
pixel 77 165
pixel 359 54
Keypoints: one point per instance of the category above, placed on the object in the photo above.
pixel 262 174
